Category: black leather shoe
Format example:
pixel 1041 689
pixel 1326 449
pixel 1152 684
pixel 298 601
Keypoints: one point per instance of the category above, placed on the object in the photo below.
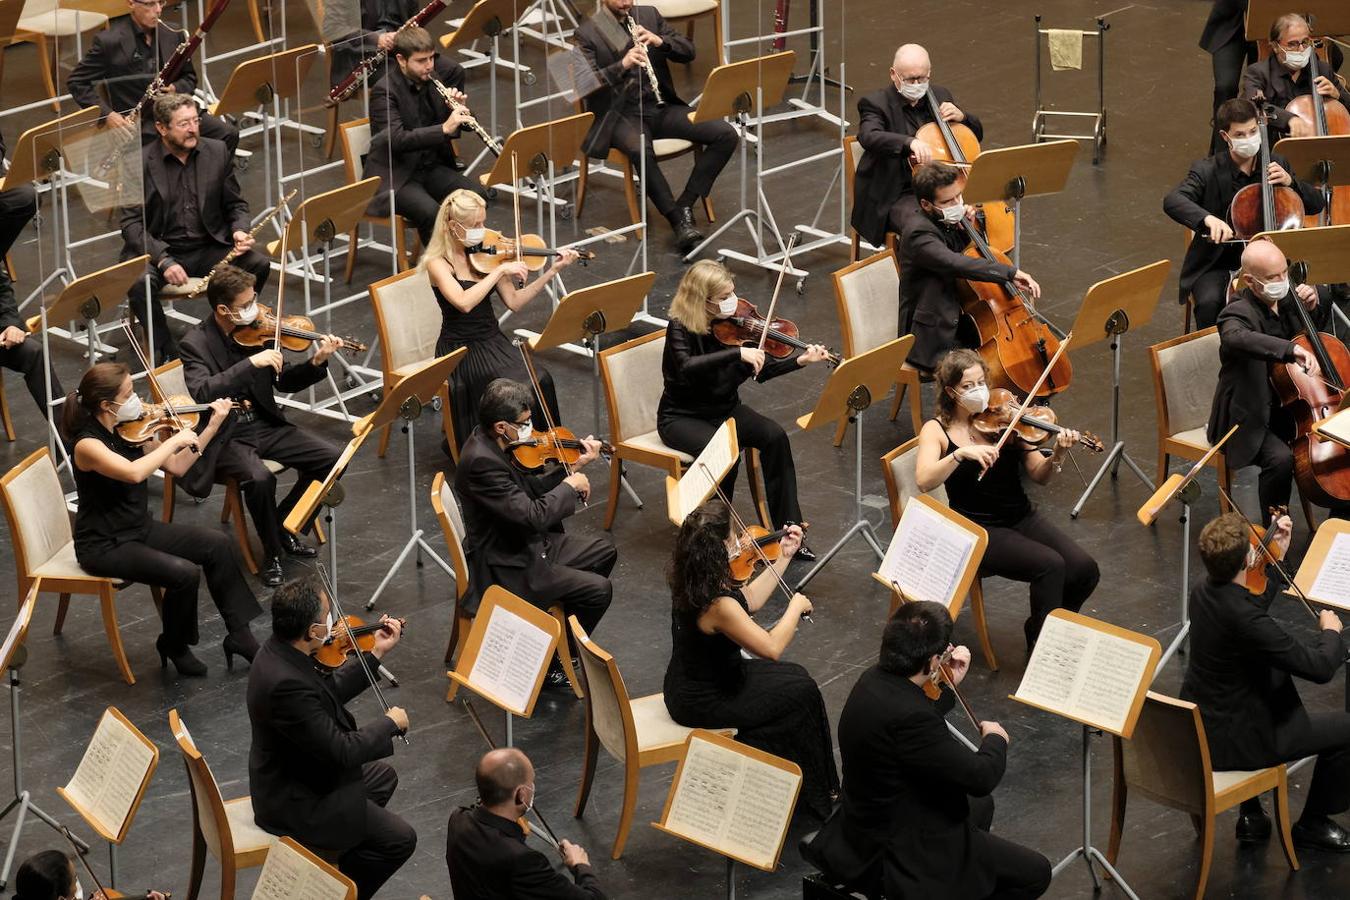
pixel 239 643
pixel 1253 827
pixel 459 165
pixel 296 547
pixel 687 237
pixel 272 574
pixel 805 554
pixel 1321 834
pixel 183 661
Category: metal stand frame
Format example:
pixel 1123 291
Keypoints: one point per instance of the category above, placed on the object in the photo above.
pixel 1088 852
pixel 814 78
pixel 1040 121
pixel 1188 496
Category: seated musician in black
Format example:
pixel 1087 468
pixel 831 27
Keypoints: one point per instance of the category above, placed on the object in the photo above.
pixel 411 127
pixel 888 120
pixel 626 108
pixel 123 60
pixel 380 22
pixel 216 366
pixel 1201 203
pixel 1238 672
pixel 194 214
pixel 917 804
pixel 513 519
pixel 932 238
pixel 1292 70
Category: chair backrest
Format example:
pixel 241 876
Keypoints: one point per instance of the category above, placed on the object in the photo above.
pixel 355 146
pixel 208 806
pixel 607 703
pixel 35 506
pixel 1185 376
pixel 636 365
pixel 1167 758
pixel 171 381
pixel 867 297
pixel 406 318
pixel 853 152
pixel 452 526
pixel 898 467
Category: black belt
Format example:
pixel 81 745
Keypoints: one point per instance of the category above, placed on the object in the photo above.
pixel 247 415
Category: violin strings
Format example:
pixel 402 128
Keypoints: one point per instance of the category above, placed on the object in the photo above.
pixel 150 374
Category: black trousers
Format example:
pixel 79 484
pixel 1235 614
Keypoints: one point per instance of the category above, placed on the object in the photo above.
pixel 311 456
pixel 1211 295
pixel 420 199
pixel 578 578
pixel 1227 63
pixel 718 140
pixel 691 435
pixel 1020 873
pixel 196 261
pixel 389 841
pixel 17 208
pixel 1276 480
pixel 1328 736
pixel 1061 573
pixel 174 557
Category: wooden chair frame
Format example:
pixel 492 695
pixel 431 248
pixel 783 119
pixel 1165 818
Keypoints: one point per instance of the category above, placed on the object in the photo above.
pixel 395 222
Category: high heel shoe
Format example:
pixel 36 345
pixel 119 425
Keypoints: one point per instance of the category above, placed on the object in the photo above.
pixel 183 662
pixel 241 643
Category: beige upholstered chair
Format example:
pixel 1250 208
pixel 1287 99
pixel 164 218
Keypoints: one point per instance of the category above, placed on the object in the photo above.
pixel 638 732
pixel 867 296
pixel 689 12
pixel 44 547
pixel 898 467
pixel 50 24
pixel 1185 376
pixel 355 145
pixel 1167 761
pixel 409 322
pixel 224 828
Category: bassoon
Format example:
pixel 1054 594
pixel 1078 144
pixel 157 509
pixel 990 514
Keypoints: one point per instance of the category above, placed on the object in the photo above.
pixel 348 86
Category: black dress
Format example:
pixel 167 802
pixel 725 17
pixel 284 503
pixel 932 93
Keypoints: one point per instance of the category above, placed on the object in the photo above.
pixel 775 706
pixel 491 355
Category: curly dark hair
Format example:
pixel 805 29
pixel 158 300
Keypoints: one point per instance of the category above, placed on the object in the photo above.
pixel 698 572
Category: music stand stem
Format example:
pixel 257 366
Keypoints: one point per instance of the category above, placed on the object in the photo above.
pixel 1088 852
pixel 1189 494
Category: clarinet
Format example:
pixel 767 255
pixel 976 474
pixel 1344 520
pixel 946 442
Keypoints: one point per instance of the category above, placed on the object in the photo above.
pixel 477 129
pixel 349 85
pixel 234 253
pixel 646 63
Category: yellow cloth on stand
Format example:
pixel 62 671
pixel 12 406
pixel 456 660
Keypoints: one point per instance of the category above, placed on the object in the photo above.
pixel 1066 48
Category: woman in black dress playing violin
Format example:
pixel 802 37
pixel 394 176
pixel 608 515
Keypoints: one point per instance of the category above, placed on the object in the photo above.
pixel 467 316
pixel 1023 544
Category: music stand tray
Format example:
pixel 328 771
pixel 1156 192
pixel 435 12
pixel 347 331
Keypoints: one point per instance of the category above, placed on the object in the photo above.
pixel 1307 155
pixel 1329 16
pixel 556 143
pixel 257 81
pixel 1011 174
pixel 485 19
pixel 31 157
pixel 1324 250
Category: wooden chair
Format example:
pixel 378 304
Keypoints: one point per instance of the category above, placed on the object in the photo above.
pixel 898 467
pixel 688 12
pixel 5 419
pixel 1167 761
pixel 866 295
pixel 49 24
pixel 636 732
pixel 664 148
pixel 853 152
pixel 1185 376
pixel 224 828
pixel 409 322
pixel 355 146
pixel 44 547
pixel 1188 308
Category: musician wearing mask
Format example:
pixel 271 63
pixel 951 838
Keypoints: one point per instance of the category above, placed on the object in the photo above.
pixel 1292 70
pixel 1238 671
pixel 122 61
pixel 513 519
pixel 626 45
pixel 485 847
pixel 1201 204
pixel 313 773
pixel 917 804
pixel 194 215
pixel 888 120
pixel 932 265
pixel 216 366
pixel 411 126
pixel 50 875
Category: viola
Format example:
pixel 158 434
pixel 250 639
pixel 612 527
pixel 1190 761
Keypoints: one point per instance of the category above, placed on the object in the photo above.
pixel 758 545
pixel 557 444
pixel 747 326
pixel 1263 550
pixel 157 422
pixel 351 635
pixel 1326 116
pixel 496 248
pixel 297 332
pixel 1032 430
pixel 932 688
pixel 1264 206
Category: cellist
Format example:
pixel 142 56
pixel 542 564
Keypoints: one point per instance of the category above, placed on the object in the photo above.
pixel 1292 70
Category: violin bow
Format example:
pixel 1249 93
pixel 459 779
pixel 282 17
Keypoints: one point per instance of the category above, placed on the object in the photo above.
pixel 1270 557
pixel 515 208
pixel 547 833
pixel 70 838
pixel 778 286
pixel 1031 396
pixel 150 374
pixel 942 672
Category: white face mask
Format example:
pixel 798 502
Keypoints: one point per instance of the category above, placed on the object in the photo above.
pixel 975 400
pixel 1246 147
pixel 911 91
pixel 1275 290
pixel 248 315
pixel 131 409
pixel 79 890
pixel 953 214
pixel 1297 59
pixel 474 236
pixel 727 305
pixel 525 431
pixel 328 627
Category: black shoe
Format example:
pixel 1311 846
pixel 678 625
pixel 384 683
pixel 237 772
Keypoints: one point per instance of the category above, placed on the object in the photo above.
pixel 239 643
pixel 1322 833
pixel 296 547
pixel 556 679
pixel 272 574
pixel 687 237
pixel 805 554
pixel 183 661
pixel 1253 827
pixel 459 165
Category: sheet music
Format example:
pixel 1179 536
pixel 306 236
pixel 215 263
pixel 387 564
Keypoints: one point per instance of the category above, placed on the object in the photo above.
pixel 695 486
pixel 1336 426
pixel 927 555
pixel 20 623
pixel 1332 584
pixel 510 659
pixel 1085 674
pixel 111 773
pixel 287 875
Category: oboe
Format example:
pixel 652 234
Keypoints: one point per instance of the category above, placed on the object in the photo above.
pixel 646 62
pixel 235 253
pixel 477 129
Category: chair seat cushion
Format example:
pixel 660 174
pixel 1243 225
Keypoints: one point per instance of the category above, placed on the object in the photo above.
pixel 180 291
pixel 1195 437
pixel 655 727
pixel 667 147
pixel 62 565
pixel 63 22
pixel 652 443
pixel 244 833
pixel 1225 781
pixel 677 9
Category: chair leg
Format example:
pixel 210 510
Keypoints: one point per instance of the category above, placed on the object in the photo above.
pixel 448 422
pixel 459 636
pixel 588 761
pixel 44 51
pixel 1119 795
pixel 565 653
pixel 1282 822
pixel 615 474
pixel 901 387
pixel 198 863
pixel 840 430
pixel 709 211
pixel 854 248
pixel 630 792
pixel 331 132
pixel 400 243
pixel 157 595
pixel 1308 513
pixel 916 409
pixel 1225 480
pixel 753 474
pixel 583 179
pixel 62 607
pixel 108 601
pixel 1163 461
pixel 1206 857
pixel 255 16
pixel 630 194
pixel 353 238
pixel 981 625
pixel 234 500
pixel 4 415
pixel 384 441
pixel 227 874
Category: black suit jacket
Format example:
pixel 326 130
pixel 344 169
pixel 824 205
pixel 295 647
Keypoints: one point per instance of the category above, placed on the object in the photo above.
pixel 885 133
pixel 619 87
pixel 1272 82
pixel 508 516
pixel 1226 23
pixel 702 376
pixel 212 372
pixel 221 204
pixel 304 765
pixel 1238 672
pixel 907 784
pixel 402 134
pixel 116 60
pixel 488 860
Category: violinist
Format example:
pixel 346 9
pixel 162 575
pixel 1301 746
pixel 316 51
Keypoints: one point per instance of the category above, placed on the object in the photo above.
pixel 917 806
pixel 888 120
pixel 215 366
pixel 1023 544
pixel 1201 203
pixel 1238 672
pixel 513 520
pixel 702 377
pixel 932 238
pixel 313 773
pixel 115 535
pixel 50 875
pixel 1292 70
pixel 468 318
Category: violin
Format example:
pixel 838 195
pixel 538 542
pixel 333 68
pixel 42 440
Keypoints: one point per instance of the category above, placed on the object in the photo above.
pixel 1264 206
pixel 747 326
pixel 496 248
pixel 932 688
pixel 157 422
pixel 297 332
pixel 1031 430
pixel 758 545
pixel 339 645
pixel 558 444
pixel 1325 115
pixel 1263 549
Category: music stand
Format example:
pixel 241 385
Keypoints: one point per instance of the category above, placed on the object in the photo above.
pixel 486 19
pixel 404 400
pixel 847 393
pixel 1328 16
pixel 329 494
pixel 1323 160
pixel 1110 309
pixel 1011 174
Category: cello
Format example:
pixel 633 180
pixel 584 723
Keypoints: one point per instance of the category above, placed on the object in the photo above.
pixel 1326 116
pixel 1264 206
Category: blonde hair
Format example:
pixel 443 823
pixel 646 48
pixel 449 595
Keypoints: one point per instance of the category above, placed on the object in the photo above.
pixel 704 279
pixel 461 206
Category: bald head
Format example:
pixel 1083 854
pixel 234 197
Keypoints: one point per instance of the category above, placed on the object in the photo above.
pixel 911 55
pixel 500 774
pixel 910 66
pixel 1264 260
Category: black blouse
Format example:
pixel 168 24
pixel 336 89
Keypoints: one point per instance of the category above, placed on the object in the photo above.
pixel 111 512
pixel 702 375
pixel 999 499
pixel 703 661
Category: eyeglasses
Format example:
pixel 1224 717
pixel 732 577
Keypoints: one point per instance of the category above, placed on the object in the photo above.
pixel 151 4
pixel 915 79
pixel 1297 45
